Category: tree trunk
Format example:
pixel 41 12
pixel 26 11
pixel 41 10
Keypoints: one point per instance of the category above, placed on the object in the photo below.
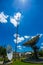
pixel 35 54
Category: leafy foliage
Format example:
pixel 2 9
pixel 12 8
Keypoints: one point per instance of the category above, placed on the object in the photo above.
pixel 2 51
pixel 41 53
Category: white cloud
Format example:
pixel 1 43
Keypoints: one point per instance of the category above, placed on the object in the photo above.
pixel 22 38
pixel 3 17
pixel 15 20
pixel 19 47
pixel 19 39
pixel 17 16
pixel 37 34
pixel 32 36
pixel 41 47
pixel 26 37
pixel 41 43
pixel 41 35
pixel 16 35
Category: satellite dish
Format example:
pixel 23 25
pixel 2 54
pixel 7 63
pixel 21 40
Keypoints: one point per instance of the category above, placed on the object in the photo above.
pixel 9 52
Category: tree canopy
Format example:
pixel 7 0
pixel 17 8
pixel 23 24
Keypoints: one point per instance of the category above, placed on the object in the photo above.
pixel 2 51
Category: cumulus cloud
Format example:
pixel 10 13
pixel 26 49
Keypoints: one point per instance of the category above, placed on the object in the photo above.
pixel 16 35
pixel 22 38
pixel 32 37
pixel 19 47
pixel 17 16
pixel 3 17
pixel 19 39
pixel 41 35
pixel 37 34
pixel 26 36
pixel 41 47
pixel 41 43
pixel 15 20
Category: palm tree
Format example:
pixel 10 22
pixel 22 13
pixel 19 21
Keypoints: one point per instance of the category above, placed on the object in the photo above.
pixel 32 44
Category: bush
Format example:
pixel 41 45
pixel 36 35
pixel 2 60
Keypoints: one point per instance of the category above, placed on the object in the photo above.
pixel 41 53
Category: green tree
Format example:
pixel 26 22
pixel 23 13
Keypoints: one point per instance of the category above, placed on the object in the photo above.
pixel 3 52
pixel 41 53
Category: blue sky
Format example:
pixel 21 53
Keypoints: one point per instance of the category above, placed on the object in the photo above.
pixel 28 15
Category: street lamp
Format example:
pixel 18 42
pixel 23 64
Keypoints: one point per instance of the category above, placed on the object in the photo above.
pixel 17 18
pixel 16 41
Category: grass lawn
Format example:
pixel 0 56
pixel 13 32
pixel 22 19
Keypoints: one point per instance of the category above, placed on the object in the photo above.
pixel 22 63
pixel 18 62
pixel 1 59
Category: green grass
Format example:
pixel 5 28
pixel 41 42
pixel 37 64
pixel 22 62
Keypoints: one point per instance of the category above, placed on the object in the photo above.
pixel 18 62
pixel 22 63
pixel 1 59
